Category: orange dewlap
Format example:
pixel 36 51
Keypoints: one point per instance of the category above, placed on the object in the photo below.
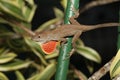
pixel 49 47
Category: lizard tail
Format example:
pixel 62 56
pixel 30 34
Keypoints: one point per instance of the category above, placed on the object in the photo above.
pixel 92 27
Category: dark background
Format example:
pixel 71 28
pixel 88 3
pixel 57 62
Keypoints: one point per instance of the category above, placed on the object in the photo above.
pixel 103 40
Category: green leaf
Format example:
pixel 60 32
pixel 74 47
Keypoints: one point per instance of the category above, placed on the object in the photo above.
pixel 89 53
pixel 51 56
pixel 59 16
pixel 79 42
pixel 46 74
pixel 19 30
pixel 3 76
pixel 32 44
pixel 30 2
pixel 58 13
pixel 3 50
pixel 89 65
pixel 64 3
pixel 17 44
pixel 5 32
pixel 29 12
pixel 7 57
pixel 19 75
pixel 2 20
pixel 46 25
pixel 35 47
pixel 20 9
pixel 15 65
pixel 115 65
pixel 11 9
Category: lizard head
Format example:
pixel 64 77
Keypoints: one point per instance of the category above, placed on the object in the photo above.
pixel 41 37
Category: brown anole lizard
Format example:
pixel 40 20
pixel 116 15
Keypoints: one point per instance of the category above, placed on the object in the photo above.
pixel 74 29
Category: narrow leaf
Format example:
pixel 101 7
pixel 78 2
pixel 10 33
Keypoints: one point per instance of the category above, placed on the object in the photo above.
pixel 11 9
pixel 64 3
pixel 89 65
pixel 36 49
pixel 15 65
pixel 7 57
pixel 89 53
pixel 79 42
pixel 59 16
pixel 46 74
pixel 3 50
pixel 32 44
pixel 20 9
pixel 19 75
pixel 115 66
pixel 3 76
pixel 45 25
pixel 29 13
pixel 58 13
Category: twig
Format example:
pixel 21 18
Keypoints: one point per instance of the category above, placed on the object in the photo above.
pixel 96 3
pixel 77 73
pixel 24 28
pixel 101 72
pixel 13 22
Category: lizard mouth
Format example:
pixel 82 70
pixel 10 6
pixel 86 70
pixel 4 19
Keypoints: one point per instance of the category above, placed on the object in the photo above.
pixel 35 39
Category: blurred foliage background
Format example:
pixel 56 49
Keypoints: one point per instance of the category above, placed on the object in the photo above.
pixel 22 59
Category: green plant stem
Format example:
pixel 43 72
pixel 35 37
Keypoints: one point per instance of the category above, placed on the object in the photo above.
pixel 119 33
pixel 63 59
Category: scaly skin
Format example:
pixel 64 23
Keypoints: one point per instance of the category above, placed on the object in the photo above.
pixel 60 33
pixel 74 29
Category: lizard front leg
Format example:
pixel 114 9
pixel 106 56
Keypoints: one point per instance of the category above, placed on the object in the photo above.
pixel 75 11
pixel 77 35
pixel 72 18
pixel 63 40
pixel 73 21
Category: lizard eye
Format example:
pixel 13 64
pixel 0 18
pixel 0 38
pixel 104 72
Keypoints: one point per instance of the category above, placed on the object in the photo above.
pixel 39 36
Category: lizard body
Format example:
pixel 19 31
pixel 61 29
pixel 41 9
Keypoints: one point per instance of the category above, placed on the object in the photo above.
pixel 74 29
pixel 60 33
